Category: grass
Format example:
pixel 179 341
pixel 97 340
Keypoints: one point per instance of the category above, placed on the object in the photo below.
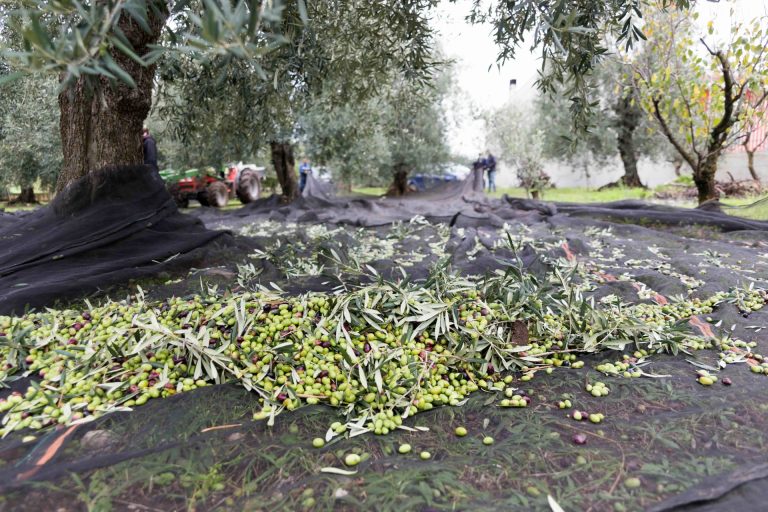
pixel 370 191
pixel 581 195
pixel 555 194
pixel 4 206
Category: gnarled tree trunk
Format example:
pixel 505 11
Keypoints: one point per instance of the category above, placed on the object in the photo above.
pixel 285 168
pixel 704 178
pixel 102 126
pixel 399 185
pixel 628 117
pixel 27 196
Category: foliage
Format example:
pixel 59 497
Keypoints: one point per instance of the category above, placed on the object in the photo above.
pixel 571 35
pixel 582 151
pixel 674 75
pixel 30 144
pixel 380 348
pixel 403 127
pixel 519 143
pixel 75 39
pixel 341 52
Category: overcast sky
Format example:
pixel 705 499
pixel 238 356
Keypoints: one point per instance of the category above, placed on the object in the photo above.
pixel 482 88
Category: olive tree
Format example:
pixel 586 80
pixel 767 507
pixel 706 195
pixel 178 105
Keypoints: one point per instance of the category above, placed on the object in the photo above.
pixel 106 52
pixel 572 36
pixel 518 140
pixel 30 145
pixel 341 54
pixel 582 150
pixel 397 131
pixel 696 87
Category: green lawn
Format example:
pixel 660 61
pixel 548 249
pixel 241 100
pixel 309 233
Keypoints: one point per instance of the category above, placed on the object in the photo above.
pixel 581 195
pixel 14 208
pixel 576 195
pixel 370 191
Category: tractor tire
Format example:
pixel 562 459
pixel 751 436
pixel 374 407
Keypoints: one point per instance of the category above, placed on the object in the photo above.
pixel 202 198
pixel 182 201
pixel 248 186
pixel 217 194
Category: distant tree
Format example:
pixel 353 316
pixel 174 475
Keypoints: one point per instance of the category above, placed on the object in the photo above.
pixel 401 129
pixel 571 36
pixel 30 144
pixel 581 150
pixel 519 142
pixel 347 140
pixel 415 129
pixel 696 88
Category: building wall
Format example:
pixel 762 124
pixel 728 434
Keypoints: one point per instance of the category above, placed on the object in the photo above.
pixel 652 173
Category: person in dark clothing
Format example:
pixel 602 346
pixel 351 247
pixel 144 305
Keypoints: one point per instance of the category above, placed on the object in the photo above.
pixel 490 166
pixel 477 175
pixel 150 150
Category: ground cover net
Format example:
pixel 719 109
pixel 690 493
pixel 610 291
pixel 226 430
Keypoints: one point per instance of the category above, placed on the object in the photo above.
pixel 668 438
pixel 117 224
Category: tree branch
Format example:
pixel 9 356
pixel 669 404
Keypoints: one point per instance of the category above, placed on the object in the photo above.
pixel 671 137
pixel 720 130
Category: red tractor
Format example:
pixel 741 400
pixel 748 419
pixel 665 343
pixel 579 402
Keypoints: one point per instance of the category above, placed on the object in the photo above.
pixel 211 189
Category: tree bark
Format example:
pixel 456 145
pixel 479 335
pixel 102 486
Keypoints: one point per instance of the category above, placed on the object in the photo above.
pixel 704 178
pixel 628 119
pixel 102 125
pixel 751 165
pixel 27 196
pixel 399 181
pixel 285 168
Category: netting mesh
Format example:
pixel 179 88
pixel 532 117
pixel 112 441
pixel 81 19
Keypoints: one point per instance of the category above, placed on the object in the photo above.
pixel 690 446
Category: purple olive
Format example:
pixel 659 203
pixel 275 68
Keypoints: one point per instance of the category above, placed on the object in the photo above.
pixel 579 439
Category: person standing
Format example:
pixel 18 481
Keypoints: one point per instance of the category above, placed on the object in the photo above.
pixel 304 170
pixel 149 147
pixel 490 165
pixel 478 171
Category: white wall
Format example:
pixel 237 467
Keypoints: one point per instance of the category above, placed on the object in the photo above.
pixel 652 173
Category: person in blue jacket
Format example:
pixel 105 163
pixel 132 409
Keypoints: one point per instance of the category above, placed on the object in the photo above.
pixel 304 170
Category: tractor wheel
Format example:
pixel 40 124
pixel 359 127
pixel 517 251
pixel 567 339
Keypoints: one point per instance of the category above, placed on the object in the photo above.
pixel 218 195
pixel 248 186
pixel 182 201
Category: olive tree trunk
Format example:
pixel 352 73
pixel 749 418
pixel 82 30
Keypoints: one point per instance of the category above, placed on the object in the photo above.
pixel 399 185
pixel 751 165
pixel 704 178
pixel 285 168
pixel 628 118
pixel 27 196
pixel 102 125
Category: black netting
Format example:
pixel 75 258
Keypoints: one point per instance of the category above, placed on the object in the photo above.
pixel 692 447
pixel 114 225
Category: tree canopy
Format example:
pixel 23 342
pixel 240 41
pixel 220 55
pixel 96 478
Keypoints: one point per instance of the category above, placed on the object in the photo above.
pixel 572 36
pixel 702 89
